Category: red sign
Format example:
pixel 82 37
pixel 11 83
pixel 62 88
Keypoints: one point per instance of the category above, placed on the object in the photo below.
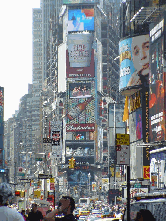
pixel 80 127
pixel 52 186
pixel 146 172
pixel 80 72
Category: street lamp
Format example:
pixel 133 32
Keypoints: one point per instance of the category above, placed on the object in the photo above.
pixel 89 176
pixel 26 198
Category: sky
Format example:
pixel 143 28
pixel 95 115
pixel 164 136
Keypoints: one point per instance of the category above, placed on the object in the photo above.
pixel 15 51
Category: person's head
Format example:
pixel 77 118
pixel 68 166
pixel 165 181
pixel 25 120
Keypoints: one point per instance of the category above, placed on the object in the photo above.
pixel 34 207
pixel 6 193
pixel 140 54
pixel 23 212
pixel 144 215
pixel 67 204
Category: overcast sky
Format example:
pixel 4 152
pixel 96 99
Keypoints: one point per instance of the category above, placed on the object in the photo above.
pixel 15 51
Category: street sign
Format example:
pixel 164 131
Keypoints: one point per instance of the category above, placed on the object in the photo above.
pixel 137 185
pixel 44 176
pixel 25 180
pixel 38 159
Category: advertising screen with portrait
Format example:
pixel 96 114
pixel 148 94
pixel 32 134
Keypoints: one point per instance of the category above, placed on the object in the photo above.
pixel 157 91
pixel 80 90
pixel 134 62
pixel 81 19
pixel 79 177
pixel 80 150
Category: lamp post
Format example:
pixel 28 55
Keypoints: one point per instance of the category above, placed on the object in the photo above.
pixel 89 176
pixel 27 194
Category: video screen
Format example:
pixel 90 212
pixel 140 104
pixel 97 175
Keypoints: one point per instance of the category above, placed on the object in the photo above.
pixel 80 90
pixel 56 138
pixel 81 19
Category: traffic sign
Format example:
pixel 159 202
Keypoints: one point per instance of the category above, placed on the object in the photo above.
pixel 44 176
pixel 38 159
pixel 137 185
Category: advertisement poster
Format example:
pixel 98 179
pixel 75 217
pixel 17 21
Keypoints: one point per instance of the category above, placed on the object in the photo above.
pixel 80 90
pixel 56 138
pixel 83 153
pixel 157 91
pixel 81 19
pixel 79 177
pixel 134 62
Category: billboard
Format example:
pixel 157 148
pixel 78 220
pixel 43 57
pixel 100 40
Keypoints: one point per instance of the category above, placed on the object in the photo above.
pixel 80 128
pixel 139 134
pixel 134 62
pixel 157 85
pixel 81 19
pixel 82 152
pixel 66 2
pixel 79 177
pixel 56 138
pixel 79 90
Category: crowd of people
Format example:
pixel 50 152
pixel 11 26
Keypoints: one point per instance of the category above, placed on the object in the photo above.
pixel 63 212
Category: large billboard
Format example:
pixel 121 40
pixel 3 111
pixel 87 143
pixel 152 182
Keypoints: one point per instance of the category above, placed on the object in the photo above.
pixel 80 56
pixel 80 90
pixel 157 84
pixel 82 152
pixel 81 19
pixel 134 62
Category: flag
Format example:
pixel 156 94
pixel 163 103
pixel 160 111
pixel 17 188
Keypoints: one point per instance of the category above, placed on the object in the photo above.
pixel 126 110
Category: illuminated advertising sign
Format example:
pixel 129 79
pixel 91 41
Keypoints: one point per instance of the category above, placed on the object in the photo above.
pixel 80 127
pixel 134 62
pixel 56 138
pixel 80 150
pixel 66 2
pixel 79 177
pixel 157 86
pixel 80 90
pixel 81 19
pixel 80 56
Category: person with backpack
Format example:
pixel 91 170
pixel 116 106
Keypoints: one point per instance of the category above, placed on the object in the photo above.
pixel 66 207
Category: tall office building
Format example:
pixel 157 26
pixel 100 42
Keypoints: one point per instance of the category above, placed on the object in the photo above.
pixel 37 77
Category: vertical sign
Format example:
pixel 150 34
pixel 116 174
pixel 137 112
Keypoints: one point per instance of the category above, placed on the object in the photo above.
pixel 123 149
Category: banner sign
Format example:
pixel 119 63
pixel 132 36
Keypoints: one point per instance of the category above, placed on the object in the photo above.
pixel 134 62
pixel 80 127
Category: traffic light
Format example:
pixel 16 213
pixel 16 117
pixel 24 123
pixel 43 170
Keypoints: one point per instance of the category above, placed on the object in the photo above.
pixel 100 187
pixel 17 193
pixel 71 163
pixel 22 194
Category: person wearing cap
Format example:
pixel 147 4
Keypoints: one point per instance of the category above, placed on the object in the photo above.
pixel 35 214
pixel 7 213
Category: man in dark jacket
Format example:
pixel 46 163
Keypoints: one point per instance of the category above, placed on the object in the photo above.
pixel 66 207
pixel 35 214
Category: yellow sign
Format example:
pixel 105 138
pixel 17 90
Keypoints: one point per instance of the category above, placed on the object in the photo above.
pixel 37 193
pixel 146 172
pixel 52 180
pixel 112 171
pixel 105 180
pixel 122 139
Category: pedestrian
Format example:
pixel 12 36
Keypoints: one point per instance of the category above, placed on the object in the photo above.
pixel 35 214
pixel 66 207
pixel 144 215
pixel 7 213
pixel 23 213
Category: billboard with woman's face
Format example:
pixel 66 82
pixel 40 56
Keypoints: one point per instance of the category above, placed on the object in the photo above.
pixel 134 62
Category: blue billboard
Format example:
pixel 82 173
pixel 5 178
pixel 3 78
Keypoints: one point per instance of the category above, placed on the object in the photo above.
pixel 134 62
pixel 81 19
